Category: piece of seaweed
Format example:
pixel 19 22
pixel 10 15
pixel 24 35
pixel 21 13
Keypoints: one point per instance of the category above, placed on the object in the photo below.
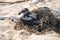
pixel 47 22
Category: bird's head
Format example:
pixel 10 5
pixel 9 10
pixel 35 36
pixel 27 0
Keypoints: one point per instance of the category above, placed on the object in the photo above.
pixel 24 11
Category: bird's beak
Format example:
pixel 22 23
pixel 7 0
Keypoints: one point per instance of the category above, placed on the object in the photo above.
pixel 19 13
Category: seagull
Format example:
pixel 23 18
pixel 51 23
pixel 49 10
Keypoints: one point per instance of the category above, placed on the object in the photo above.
pixel 28 17
pixel 26 13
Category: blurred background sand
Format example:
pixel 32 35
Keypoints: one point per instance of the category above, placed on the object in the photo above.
pixel 7 31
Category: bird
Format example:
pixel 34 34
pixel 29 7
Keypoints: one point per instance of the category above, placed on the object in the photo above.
pixel 28 17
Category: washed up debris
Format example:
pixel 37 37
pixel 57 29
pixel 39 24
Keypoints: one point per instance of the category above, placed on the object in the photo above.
pixel 38 21
pixel 7 17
